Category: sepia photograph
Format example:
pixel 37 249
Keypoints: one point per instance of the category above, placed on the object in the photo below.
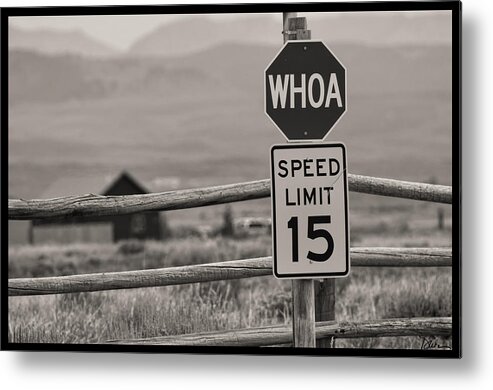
pixel 260 179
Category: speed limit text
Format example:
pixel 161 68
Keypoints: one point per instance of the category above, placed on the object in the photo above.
pixel 306 168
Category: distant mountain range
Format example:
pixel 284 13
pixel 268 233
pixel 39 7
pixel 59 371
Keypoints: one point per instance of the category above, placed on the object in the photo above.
pixel 66 109
pixel 198 34
pixel 227 70
pixel 56 42
pixel 194 34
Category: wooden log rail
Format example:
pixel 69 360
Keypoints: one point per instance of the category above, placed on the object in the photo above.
pixel 283 334
pixel 98 205
pixel 236 269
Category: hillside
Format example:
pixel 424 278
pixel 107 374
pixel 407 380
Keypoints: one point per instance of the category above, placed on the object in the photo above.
pixel 227 69
pixel 34 77
pixel 198 119
pixel 194 34
pixel 58 42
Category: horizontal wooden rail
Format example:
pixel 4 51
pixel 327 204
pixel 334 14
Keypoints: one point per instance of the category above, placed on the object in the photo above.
pixel 98 205
pixel 236 269
pixel 271 335
pixel 400 189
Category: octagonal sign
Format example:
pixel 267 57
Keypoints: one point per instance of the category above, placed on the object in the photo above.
pixel 305 90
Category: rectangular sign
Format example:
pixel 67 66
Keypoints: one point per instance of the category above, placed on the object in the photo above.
pixel 310 210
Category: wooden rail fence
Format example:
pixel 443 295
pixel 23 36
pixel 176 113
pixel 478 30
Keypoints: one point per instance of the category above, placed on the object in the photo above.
pixel 283 334
pixel 98 205
pixel 227 270
pixel 95 205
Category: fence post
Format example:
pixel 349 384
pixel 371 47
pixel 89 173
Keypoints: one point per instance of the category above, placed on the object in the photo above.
pixel 325 306
pixel 303 292
pixel 303 313
pixel 441 217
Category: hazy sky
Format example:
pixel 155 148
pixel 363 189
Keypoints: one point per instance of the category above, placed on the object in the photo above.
pixel 120 31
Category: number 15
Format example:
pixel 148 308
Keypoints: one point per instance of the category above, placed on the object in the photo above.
pixel 312 234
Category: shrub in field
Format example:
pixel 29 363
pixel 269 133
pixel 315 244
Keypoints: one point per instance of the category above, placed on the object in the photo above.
pixel 184 232
pixel 228 228
pixel 131 247
pixel 276 305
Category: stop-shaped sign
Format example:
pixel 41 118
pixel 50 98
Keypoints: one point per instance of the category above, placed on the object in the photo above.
pixel 305 90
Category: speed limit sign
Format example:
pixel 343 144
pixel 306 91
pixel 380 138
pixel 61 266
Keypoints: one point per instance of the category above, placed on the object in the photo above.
pixel 310 210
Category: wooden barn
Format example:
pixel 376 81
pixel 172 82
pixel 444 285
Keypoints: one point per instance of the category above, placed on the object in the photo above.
pixel 143 226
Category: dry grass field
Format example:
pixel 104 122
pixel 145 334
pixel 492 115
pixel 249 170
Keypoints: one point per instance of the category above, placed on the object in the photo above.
pixel 100 316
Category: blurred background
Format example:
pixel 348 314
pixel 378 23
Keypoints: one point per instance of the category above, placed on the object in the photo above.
pixel 176 101
pixel 132 104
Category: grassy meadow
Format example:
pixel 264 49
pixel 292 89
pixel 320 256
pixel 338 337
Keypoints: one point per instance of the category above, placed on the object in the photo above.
pixel 100 316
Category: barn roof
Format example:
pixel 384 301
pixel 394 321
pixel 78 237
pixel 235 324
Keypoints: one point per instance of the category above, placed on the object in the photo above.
pixel 88 184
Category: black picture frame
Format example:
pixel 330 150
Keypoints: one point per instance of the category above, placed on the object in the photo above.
pixel 453 6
